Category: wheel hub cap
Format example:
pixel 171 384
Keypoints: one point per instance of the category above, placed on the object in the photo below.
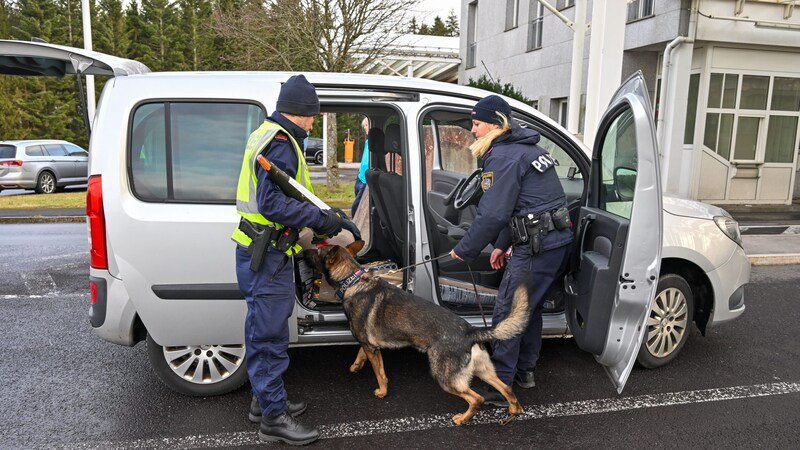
pixel 204 364
pixel 667 323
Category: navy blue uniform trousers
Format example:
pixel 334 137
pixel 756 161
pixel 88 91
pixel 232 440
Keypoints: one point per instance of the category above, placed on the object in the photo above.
pixel 270 295
pixel 522 352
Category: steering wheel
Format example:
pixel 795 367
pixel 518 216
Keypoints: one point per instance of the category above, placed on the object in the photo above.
pixel 469 191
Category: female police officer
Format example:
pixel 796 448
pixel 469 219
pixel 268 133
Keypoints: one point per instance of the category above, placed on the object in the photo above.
pixel 522 204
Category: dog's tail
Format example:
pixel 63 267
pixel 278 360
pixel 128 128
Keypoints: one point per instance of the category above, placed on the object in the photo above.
pixel 512 325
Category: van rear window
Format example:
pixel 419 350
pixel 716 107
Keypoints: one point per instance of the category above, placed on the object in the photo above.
pixel 8 151
pixel 189 151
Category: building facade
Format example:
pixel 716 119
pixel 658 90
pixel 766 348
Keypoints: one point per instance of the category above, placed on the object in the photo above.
pixel 724 75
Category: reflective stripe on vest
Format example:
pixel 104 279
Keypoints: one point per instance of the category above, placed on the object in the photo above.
pixel 246 197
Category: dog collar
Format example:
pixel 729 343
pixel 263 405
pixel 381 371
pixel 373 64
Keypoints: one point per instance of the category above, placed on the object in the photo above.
pixel 349 282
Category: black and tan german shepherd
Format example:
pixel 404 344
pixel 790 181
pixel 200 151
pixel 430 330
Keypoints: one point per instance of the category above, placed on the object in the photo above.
pixel 384 316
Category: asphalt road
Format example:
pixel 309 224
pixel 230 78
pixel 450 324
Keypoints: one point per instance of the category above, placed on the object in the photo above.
pixel 62 387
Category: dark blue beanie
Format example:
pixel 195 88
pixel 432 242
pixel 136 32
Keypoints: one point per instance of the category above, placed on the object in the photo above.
pixel 298 97
pixel 487 108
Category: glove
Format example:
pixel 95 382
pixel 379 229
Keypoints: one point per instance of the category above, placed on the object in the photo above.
pixel 331 226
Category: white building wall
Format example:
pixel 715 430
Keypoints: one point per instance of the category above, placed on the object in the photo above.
pixel 543 74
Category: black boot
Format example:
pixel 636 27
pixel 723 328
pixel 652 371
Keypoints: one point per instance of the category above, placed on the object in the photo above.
pixel 492 397
pixel 295 409
pixel 524 379
pixel 286 428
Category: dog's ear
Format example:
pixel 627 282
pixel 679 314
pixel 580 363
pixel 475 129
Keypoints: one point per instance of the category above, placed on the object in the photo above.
pixel 355 247
pixel 334 256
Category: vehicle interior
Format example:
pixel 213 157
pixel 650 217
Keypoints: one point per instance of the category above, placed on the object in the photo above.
pixel 453 192
pixel 448 213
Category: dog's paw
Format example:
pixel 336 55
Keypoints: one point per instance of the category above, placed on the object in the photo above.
pixel 356 367
pixel 381 392
pixel 460 419
pixel 515 409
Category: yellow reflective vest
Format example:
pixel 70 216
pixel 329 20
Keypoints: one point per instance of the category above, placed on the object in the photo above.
pixel 246 198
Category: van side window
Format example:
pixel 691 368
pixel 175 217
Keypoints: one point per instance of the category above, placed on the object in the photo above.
pixel 190 151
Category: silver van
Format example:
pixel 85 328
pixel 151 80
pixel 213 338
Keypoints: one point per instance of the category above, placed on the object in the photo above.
pixel 43 165
pixel 165 155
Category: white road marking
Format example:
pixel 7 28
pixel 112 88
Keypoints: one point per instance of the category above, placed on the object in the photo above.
pixel 53 295
pixel 440 421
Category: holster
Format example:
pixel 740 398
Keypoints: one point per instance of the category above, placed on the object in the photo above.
pixel 531 229
pixel 262 237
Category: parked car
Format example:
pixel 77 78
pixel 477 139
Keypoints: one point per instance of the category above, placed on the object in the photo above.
pixel 44 165
pixel 166 154
pixel 313 150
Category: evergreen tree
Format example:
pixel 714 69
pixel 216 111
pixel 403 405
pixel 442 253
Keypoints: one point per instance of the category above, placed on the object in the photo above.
pixel 486 83
pixel 452 24
pixel 438 28
pixel 160 24
pixel 423 29
pixel 69 23
pixel 412 26
pixel 6 13
pixel 198 39
pixel 136 35
pixel 110 31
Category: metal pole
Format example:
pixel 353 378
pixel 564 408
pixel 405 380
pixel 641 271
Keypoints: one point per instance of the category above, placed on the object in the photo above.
pixel 576 73
pixel 87 44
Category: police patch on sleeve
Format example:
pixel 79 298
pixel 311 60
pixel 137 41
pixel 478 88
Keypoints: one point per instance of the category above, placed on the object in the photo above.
pixel 487 180
pixel 543 162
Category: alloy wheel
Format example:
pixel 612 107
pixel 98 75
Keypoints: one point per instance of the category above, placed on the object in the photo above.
pixel 204 364
pixel 667 323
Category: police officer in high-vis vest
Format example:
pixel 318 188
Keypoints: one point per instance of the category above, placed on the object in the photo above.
pixel 266 242
pixel 522 208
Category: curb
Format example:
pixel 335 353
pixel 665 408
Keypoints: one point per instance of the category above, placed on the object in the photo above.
pixel 774 260
pixel 43 219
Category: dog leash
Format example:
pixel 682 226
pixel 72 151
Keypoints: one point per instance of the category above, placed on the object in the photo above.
pixel 471 276
pixel 394 271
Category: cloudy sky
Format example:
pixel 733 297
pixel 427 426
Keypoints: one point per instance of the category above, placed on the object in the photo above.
pixel 428 9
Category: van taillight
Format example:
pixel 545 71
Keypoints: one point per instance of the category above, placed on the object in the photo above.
pixel 14 162
pixel 97 223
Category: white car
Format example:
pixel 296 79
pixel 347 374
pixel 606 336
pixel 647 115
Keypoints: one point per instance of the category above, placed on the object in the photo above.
pixel 165 156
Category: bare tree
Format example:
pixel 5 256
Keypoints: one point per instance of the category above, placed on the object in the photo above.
pixel 311 35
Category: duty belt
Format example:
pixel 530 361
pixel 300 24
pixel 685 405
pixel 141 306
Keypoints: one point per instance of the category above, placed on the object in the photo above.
pixel 263 237
pixel 531 229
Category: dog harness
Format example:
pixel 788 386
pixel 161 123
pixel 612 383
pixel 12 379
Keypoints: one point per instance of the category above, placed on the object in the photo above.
pixel 351 280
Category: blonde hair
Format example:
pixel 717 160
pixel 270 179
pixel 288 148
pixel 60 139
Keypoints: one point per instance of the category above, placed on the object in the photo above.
pixel 480 146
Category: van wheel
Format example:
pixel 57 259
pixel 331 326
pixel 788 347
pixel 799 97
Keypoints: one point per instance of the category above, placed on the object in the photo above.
pixel 669 322
pixel 199 370
pixel 318 158
pixel 46 184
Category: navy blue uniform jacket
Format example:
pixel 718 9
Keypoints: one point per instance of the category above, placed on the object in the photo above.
pixel 513 187
pixel 272 202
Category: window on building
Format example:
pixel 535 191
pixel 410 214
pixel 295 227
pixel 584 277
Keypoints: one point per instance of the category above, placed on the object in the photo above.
pixel 563 4
pixel 558 110
pixel 536 22
pixel 512 14
pixel 742 108
pixel 691 109
pixel 639 9
pixel 472 28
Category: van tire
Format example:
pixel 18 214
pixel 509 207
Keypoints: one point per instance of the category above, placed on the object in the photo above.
pixel 318 158
pixel 46 183
pixel 668 323
pixel 170 371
